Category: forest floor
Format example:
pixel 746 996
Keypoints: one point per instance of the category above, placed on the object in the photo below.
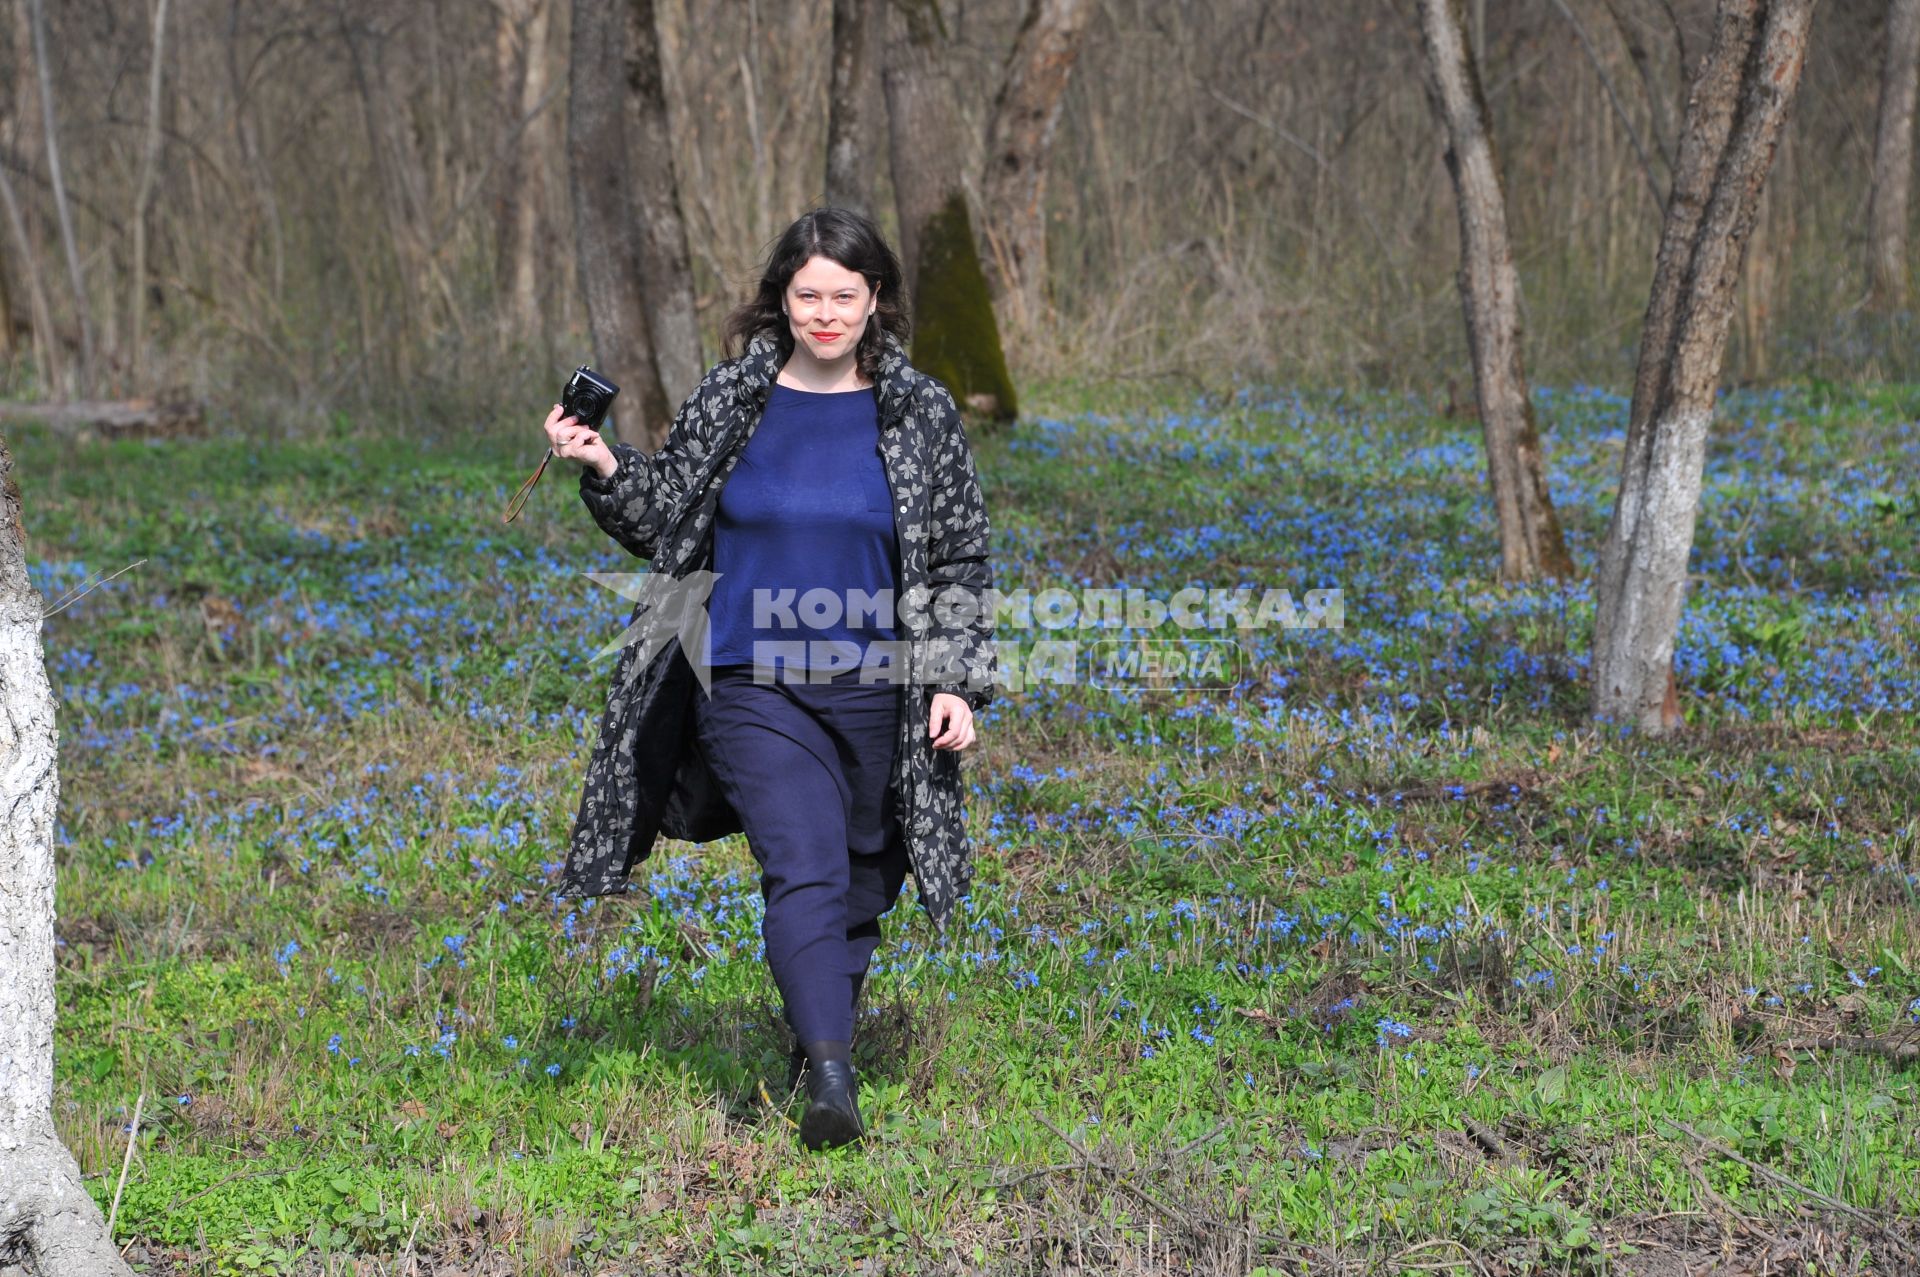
pixel 1384 958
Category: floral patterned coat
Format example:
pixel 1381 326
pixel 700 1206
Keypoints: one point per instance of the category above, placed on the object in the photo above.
pixel 647 774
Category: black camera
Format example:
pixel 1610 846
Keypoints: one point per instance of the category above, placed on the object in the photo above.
pixel 587 397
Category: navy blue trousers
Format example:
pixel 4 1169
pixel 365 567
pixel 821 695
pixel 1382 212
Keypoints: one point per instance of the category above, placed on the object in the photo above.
pixel 806 766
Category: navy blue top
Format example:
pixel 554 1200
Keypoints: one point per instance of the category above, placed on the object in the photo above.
pixel 807 507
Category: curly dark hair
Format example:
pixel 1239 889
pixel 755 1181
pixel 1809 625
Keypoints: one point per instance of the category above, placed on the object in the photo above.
pixel 841 235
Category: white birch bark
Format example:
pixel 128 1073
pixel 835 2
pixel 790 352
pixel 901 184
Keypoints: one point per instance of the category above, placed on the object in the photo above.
pixel 1736 109
pixel 46 1217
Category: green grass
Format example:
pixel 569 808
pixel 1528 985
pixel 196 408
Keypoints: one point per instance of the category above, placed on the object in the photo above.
pixel 1386 957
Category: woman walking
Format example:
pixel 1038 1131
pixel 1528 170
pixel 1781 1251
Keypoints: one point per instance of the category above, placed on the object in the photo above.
pixel 829 488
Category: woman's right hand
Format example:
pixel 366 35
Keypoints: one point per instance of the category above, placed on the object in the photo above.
pixel 569 439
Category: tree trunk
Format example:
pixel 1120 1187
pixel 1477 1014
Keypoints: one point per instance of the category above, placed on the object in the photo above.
pixel 666 269
pixel 46 341
pixel 36 12
pixel 922 124
pixel 957 337
pixel 1893 159
pixel 1736 109
pixel 149 160
pixel 603 218
pixel 6 310
pixel 1531 544
pixel 520 79
pixel 849 161
pixel 1013 195
pixel 17 114
pixel 47 1219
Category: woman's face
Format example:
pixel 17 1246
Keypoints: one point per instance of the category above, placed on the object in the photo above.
pixel 827 309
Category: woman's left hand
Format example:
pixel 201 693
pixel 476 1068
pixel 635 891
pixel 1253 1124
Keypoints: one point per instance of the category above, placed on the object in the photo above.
pixel 951 722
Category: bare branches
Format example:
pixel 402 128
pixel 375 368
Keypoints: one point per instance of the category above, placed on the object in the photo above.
pixel 1873 1222
pixel 76 278
pixel 1606 82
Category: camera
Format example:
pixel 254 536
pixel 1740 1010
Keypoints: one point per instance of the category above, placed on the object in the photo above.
pixel 587 397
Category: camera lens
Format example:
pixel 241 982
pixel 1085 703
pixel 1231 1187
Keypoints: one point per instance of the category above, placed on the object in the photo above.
pixel 588 405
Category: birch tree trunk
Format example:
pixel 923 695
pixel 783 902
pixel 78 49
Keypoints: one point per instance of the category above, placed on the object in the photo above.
pixel 1736 108
pixel 1531 544
pixel 956 334
pixel 47 1219
pixel 1013 192
pixel 1893 159
pixel 603 219
pixel 666 269
pixel 849 149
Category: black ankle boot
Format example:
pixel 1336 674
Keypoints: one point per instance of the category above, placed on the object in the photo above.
pixel 833 1116
pixel 796 1065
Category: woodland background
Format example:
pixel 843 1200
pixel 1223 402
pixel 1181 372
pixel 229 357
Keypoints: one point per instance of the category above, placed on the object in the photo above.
pixel 359 204
pixel 1400 952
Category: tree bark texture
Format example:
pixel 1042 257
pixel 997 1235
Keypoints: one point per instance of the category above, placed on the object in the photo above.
pixel 520 78
pixel 1020 132
pixel 1893 158
pixel 1736 108
pixel 46 1217
pixel 666 270
pixel 849 144
pixel 956 333
pixel 922 123
pixel 603 219
pixel 1531 543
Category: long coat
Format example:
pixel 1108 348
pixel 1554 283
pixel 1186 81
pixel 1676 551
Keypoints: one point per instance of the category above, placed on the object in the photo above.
pixel 647 774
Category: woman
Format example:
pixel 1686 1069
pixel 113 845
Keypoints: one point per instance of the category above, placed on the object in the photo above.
pixel 817 465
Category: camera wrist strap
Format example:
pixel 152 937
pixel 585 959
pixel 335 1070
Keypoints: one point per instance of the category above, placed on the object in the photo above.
pixel 526 490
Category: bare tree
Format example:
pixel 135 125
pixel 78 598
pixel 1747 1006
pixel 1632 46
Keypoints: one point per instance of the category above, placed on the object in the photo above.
pixel 520 78
pixel 1020 136
pixel 922 123
pixel 1893 158
pixel 1659 95
pixel 1531 544
pixel 1236 189
pixel 666 275
pixel 957 337
pixel 36 11
pixel 15 107
pixel 47 1220
pixel 603 219
pixel 849 144
pixel 149 160
pixel 1735 111
pixel 45 340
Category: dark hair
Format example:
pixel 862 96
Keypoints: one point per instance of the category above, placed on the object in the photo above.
pixel 841 235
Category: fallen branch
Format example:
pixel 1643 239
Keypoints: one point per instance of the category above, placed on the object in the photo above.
pixel 1786 1181
pixel 222 1183
pixel 1902 1049
pixel 1089 1162
pixel 1489 1139
pixel 1201 1225
pixel 113 419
